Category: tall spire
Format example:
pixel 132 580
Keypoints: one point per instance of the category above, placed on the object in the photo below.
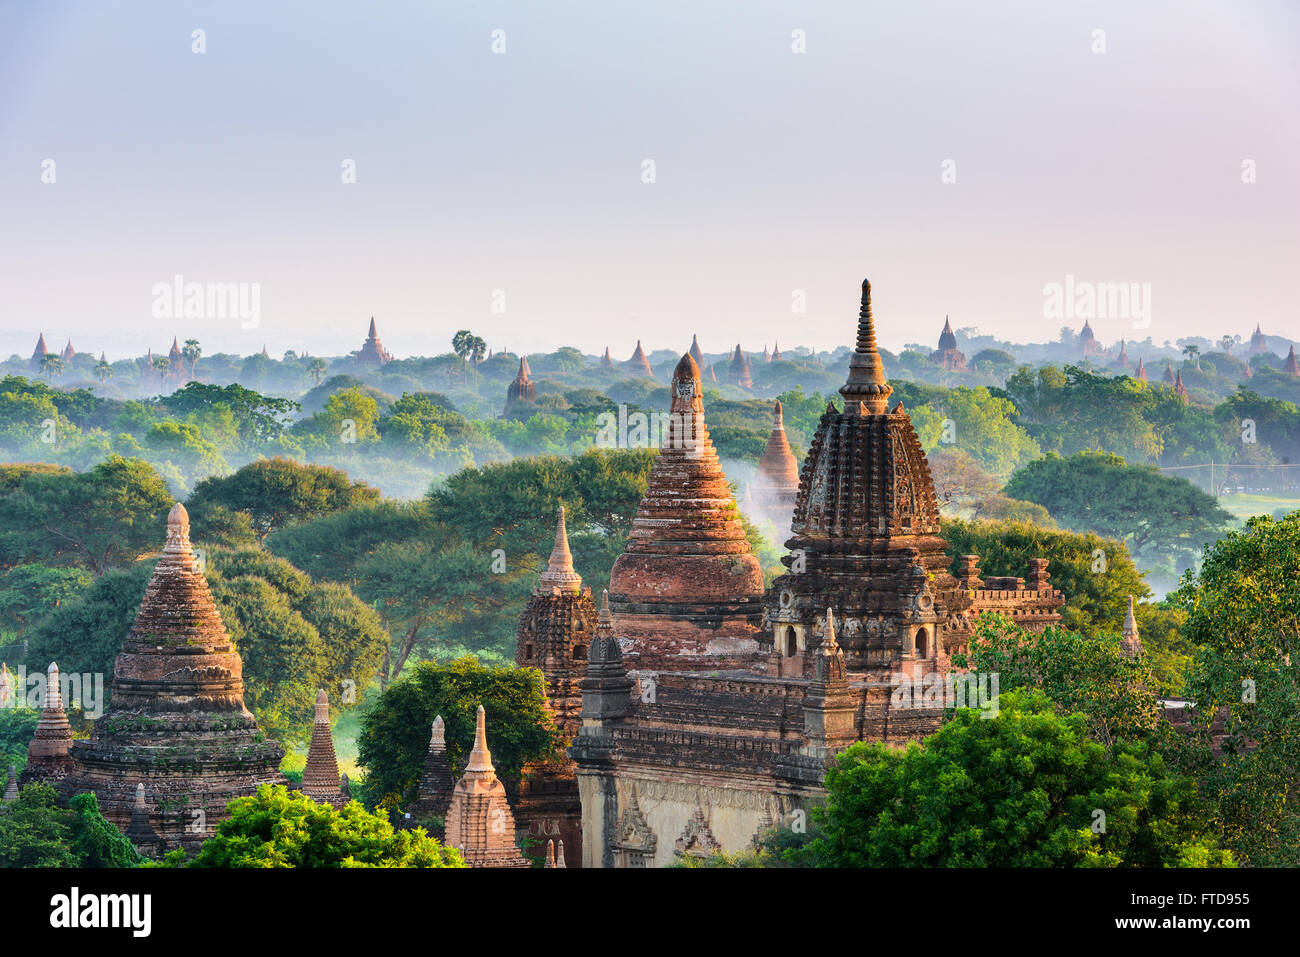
pixel 48 753
pixel 559 570
pixel 1131 642
pixel 480 759
pixel 373 334
pixel 866 381
pixel 480 823
pixel 696 354
pixel 320 777
pixel 11 786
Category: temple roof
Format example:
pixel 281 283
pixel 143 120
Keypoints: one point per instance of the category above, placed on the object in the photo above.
pixel 559 570
pixel 639 364
pixel 695 352
pixel 777 466
pixel 947 340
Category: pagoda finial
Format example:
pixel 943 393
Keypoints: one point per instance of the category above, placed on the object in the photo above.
pixel 603 617
pixel 374 334
pixel 778 419
pixel 866 381
pixel 1130 640
pixel 53 696
pixel 438 737
pixel 178 530
pixel 322 707
pixel 480 759
pixel 559 570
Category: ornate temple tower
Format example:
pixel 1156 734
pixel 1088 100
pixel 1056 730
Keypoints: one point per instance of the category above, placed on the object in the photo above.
pixel 320 776
pixel 687 590
pixel 740 373
pixel 68 352
pixel 479 822
pixel 521 388
pixel 47 754
pixel 555 632
pixel 639 364
pixel 177 720
pixel 776 352
pixel 778 474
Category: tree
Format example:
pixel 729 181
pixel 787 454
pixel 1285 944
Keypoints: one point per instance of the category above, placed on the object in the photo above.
pixel 1091 675
pixel 51 365
pixel 1243 616
pixel 36 832
pixel 99 519
pixel 277 827
pixel 394 738
pixel 316 369
pixel 103 370
pixel 191 352
pixel 1026 788
pixel 278 492
pixel 259 419
pixel 462 343
pixel 95 841
pixel 1162 518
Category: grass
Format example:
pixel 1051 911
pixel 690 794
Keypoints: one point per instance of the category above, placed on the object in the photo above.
pixel 1243 507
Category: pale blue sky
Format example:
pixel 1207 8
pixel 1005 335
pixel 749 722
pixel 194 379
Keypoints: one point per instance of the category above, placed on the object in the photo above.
pixel 522 172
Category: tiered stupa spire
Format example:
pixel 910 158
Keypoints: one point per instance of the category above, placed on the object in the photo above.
pixel 522 389
pixel 48 753
pixel 436 785
pixel 320 776
pixel 372 351
pixel 177 719
pixel 1131 642
pixel 778 472
pixel 479 821
pixel 606 362
pixel 687 585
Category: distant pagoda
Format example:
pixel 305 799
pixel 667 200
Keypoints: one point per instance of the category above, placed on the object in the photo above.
pixel 739 373
pixel 522 389
pixel 1258 341
pixel 948 355
pixel 776 352
pixel 687 591
pixel 372 354
pixel 320 776
pixel 639 365
pixel 1180 390
pixel 1088 341
pixel 696 354
pixel 1142 370
pixel 480 823
pixel 1291 367
pixel 1168 377
pixel 1122 359
pixel 39 353
pixel 778 473
pixel 605 361
pixel 177 721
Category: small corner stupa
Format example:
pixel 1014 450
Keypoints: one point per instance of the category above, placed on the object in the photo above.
pixel 479 822
pixel 140 831
pixel 320 776
pixel 47 754
pixel 433 795
pixel 177 721
pixel 687 589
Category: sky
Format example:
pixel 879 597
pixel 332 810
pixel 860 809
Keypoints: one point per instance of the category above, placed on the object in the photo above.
pixel 963 156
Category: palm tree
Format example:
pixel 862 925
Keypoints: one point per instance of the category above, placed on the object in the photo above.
pixel 1193 352
pixel 478 349
pixel 316 369
pixel 462 343
pixel 51 365
pixel 191 353
pixel 103 371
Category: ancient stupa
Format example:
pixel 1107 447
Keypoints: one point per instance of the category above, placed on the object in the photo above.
pixel 605 361
pixel 11 785
pixel 47 754
pixel 639 364
pixel 1130 640
pixel 1142 370
pixel 39 353
pixel 739 373
pixel 687 590
pixel 1180 390
pixel 177 721
pixel 778 473
pixel 479 821
pixel 320 776
pixel 695 352
pixel 521 388
pixel 1291 366
pixel 434 793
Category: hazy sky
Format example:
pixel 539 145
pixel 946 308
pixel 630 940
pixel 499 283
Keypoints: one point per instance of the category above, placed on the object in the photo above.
pixel 522 171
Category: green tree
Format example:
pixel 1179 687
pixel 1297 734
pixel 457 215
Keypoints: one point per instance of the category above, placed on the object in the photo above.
pixel 1022 789
pixel 35 831
pixel 281 828
pixel 95 841
pixel 1157 515
pixel 1243 616
pixel 277 492
pixel 394 738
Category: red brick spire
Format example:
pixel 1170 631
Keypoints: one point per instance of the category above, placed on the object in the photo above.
pixel 686 577
pixel 1180 390
pixel 1142 370
pixel 639 364
pixel 696 354
pixel 522 388
pixel 559 570
pixel 320 777
pixel 605 361
pixel 1291 366
pixel 47 754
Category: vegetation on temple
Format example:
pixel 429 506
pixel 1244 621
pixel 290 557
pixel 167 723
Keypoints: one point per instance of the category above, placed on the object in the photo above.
pixel 36 832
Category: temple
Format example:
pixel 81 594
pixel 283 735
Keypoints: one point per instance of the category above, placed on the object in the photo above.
pixel 433 795
pixel 1258 341
pixel 1122 359
pixel 1180 390
pixel 695 352
pixel 682 753
pixel 639 365
pixel 39 353
pixel 948 355
pixel 320 776
pixel 479 822
pixel 739 372
pixel 372 354
pixel 687 590
pixel 1142 370
pixel 1088 341
pixel 522 389
pixel 1291 367
pixel 555 632
pixel 177 721
pixel 778 474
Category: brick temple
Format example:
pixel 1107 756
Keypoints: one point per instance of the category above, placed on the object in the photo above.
pixel 177 722
pixel 684 750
